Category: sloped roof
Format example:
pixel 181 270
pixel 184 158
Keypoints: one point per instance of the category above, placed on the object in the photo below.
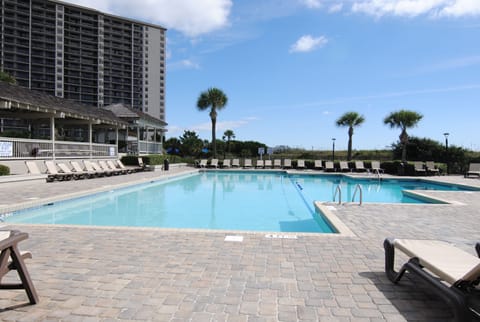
pixel 127 113
pixel 16 97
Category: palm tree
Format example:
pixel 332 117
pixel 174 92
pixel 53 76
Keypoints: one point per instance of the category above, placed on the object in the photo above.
pixel 5 77
pixel 403 120
pixel 214 99
pixel 228 135
pixel 350 119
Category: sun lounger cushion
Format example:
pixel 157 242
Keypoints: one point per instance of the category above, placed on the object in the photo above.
pixel 443 259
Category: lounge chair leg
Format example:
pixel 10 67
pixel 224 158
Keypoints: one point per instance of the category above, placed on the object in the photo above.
pixel 477 248
pixel 27 283
pixel 390 261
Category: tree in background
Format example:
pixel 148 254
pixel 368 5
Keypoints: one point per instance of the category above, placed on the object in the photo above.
pixel 228 135
pixel 214 99
pixel 5 77
pixel 350 119
pixel 191 144
pixel 403 120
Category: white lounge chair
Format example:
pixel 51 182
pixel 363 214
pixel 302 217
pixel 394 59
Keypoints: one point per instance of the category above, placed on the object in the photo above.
pixel 96 169
pixel 287 164
pixel 376 167
pixel 203 163
pixel 301 164
pixel 104 166
pixel 32 168
pixel 359 166
pixel 247 163
pixel 214 163
pixel 260 164
pixel 419 167
pixel 473 170
pixel 268 164
pixel 130 168
pixel 65 169
pixel 113 166
pixel 78 169
pixel 226 163
pixel 344 166
pixel 236 163
pixel 318 164
pixel 453 273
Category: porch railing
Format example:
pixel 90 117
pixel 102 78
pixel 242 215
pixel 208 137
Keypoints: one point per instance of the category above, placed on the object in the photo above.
pixel 19 148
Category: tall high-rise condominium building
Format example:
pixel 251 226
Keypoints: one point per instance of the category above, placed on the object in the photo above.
pixel 84 55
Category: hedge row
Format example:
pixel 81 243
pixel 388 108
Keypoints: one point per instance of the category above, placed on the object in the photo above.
pixel 4 170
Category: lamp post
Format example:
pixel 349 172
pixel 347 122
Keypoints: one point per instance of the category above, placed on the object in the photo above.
pixel 333 149
pixel 446 134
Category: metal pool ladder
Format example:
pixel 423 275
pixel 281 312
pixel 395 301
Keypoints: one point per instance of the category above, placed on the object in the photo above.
pixel 358 187
pixel 338 190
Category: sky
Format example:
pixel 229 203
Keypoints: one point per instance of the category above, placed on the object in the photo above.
pixel 291 68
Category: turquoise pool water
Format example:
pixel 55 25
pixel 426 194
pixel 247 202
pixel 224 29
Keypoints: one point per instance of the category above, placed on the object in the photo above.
pixel 257 201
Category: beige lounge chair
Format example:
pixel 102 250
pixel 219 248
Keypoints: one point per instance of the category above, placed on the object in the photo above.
pixel 260 164
pixel 214 163
pixel 473 170
pixel 32 168
pixel 91 168
pixel 318 165
pixel 301 164
pixel 453 273
pixel 344 166
pixel 129 168
pixel 78 169
pixel 287 163
pixel 277 163
pixel 103 166
pixel 359 166
pixel 329 166
pixel 145 167
pixel 65 169
pixel 226 163
pixel 419 167
pixel 376 167
pixel 52 170
pixel 247 163
pixel 114 167
pixel 203 163
pixel 268 164
pixel 11 259
pixel 236 163
pixel 430 167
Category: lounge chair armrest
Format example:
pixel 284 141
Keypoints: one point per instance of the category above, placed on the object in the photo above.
pixel 14 238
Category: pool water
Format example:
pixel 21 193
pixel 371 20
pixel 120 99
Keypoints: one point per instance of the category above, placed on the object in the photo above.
pixel 256 201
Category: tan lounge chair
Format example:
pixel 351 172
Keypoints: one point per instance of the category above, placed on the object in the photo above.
pixel 473 170
pixel 129 168
pixel 419 167
pixel 90 168
pixel 145 167
pixel 235 163
pixel 11 259
pixel 112 166
pixel 277 163
pixel 344 166
pixel 287 163
pixel 32 168
pixel 214 163
pixel 430 167
pixel 260 164
pixel 318 165
pixel 247 163
pixel 52 170
pixel 329 166
pixel 453 273
pixel 65 169
pixel 268 164
pixel 78 169
pixel 203 163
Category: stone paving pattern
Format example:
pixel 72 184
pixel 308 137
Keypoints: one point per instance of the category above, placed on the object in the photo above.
pixel 144 274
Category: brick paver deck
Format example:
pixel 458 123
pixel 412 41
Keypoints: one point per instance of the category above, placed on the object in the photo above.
pixel 110 274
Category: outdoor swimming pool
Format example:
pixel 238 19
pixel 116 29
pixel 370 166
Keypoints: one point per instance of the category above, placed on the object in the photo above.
pixel 256 201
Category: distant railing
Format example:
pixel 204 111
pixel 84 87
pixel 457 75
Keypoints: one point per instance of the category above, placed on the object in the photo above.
pixel 19 148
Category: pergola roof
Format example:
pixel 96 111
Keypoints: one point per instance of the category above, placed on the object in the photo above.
pixel 15 97
pixel 134 116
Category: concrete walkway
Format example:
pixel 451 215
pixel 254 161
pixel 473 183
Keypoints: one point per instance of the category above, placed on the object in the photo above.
pixel 111 274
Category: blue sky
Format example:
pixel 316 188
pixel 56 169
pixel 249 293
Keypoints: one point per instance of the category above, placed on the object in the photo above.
pixel 290 68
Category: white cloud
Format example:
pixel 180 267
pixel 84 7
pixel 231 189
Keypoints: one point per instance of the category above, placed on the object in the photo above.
pixel 335 8
pixel 183 64
pixel 224 125
pixel 191 17
pixel 413 8
pixel 315 4
pixel 308 43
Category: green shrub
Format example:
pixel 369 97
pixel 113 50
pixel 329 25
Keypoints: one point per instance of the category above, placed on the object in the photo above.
pixel 4 170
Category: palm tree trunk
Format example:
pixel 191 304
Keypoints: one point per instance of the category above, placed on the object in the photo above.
pixel 214 139
pixel 404 141
pixel 350 134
